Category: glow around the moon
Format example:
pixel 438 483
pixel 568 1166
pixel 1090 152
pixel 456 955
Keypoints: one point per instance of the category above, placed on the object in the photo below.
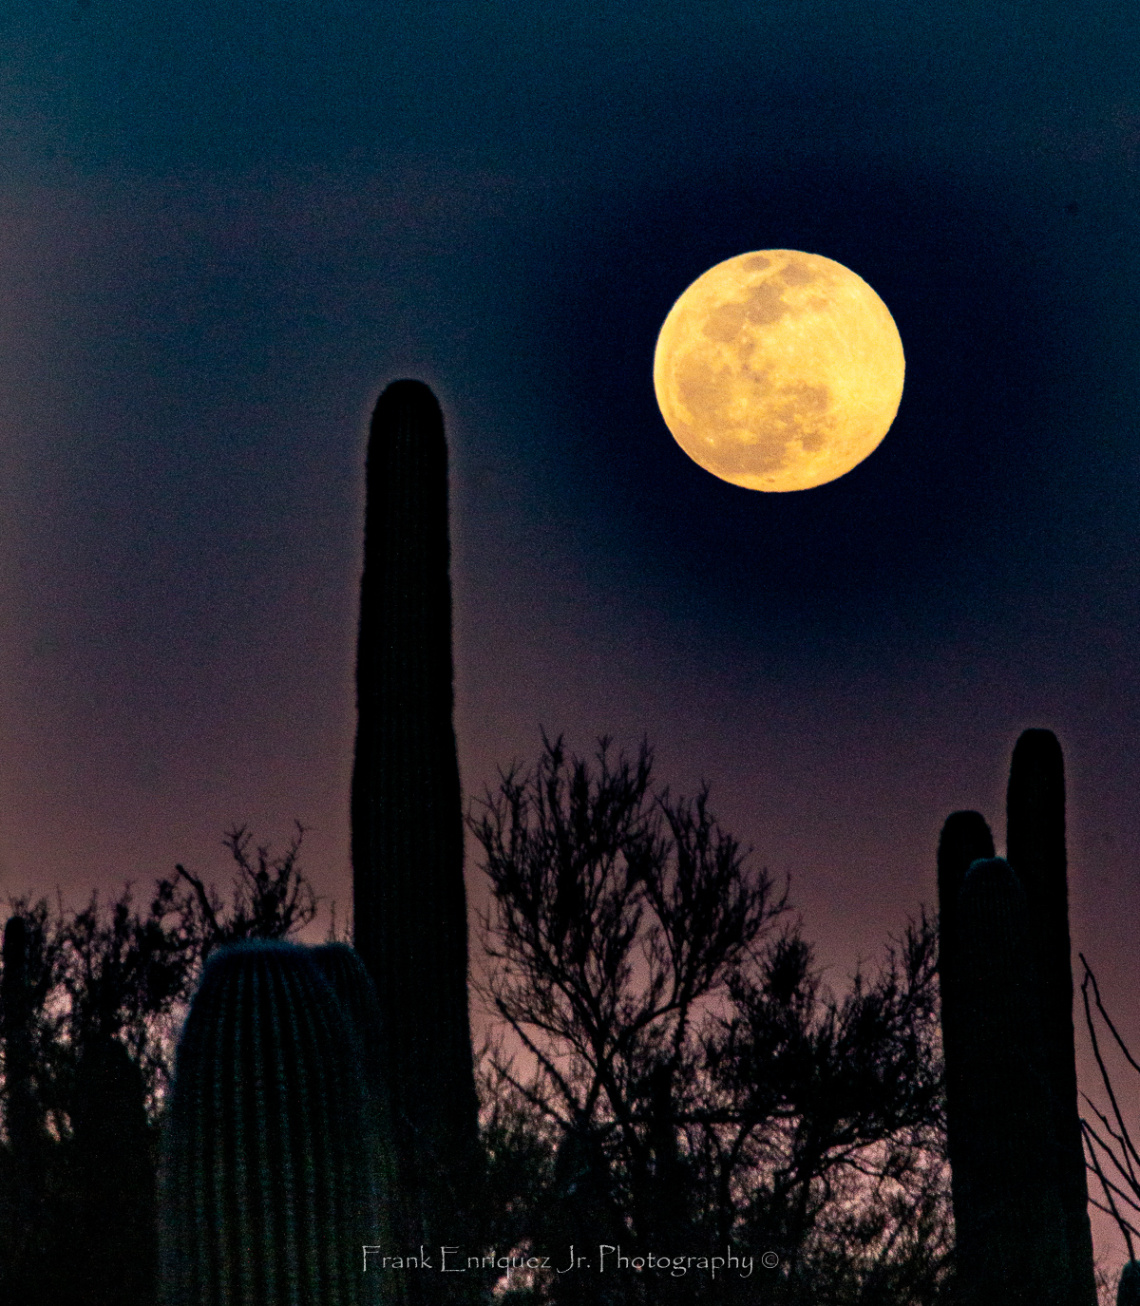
pixel 778 370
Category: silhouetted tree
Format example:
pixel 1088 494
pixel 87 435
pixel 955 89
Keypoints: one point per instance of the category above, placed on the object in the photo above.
pixel 1110 1149
pixel 683 1081
pixel 90 1002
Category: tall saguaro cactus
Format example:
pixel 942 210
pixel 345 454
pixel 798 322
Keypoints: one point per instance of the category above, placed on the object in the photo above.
pixel 113 1171
pixel 22 1121
pixel 1014 1249
pixel 16 1015
pixel 1007 1026
pixel 407 828
pixel 1035 845
pixel 966 838
pixel 267 1191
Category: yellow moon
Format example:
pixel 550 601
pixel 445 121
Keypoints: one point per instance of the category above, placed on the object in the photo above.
pixel 778 370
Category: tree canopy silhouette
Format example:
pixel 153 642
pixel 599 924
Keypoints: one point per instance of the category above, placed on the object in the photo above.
pixel 671 1073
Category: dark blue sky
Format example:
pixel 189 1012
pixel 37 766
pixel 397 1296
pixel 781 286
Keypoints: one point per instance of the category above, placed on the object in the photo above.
pixel 225 227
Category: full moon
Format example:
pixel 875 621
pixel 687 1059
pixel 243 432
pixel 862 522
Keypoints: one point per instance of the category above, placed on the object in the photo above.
pixel 778 370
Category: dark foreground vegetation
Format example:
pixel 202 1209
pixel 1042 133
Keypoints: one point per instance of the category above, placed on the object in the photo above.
pixel 90 1005
pixel 681 1080
pixel 675 1077
pixel 668 1074
pixel 199 1112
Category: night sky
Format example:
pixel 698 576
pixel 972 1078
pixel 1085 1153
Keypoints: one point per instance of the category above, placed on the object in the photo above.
pixel 225 227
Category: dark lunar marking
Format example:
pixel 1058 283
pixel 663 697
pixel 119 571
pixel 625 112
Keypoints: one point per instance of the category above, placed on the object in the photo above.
pixel 755 263
pixel 797 274
pixel 765 303
pixel 735 460
pixel 724 322
pixel 814 398
pixel 702 388
pixel 770 455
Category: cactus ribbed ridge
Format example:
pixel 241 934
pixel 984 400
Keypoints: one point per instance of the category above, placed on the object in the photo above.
pixel 1016 1250
pixel 1035 846
pixel 267 1195
pixel 407 831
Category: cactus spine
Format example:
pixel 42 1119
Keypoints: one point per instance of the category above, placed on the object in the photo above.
pixel 407 830
pixel 267 1195
pixel 1035 844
